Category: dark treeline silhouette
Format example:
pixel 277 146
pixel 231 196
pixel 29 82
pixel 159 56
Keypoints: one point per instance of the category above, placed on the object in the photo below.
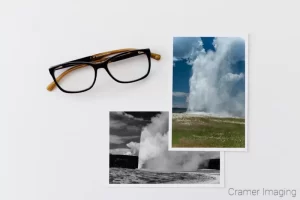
pixel 214 164
pixel 123 161
pixel 131 162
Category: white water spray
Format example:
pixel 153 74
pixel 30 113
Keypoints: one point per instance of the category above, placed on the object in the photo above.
pixel 213 84
pixel 154 154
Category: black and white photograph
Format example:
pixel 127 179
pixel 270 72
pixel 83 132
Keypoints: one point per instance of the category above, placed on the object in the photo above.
pixel 139 154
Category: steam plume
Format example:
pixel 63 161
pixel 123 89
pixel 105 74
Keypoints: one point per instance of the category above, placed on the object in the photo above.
pixel 154 154
pixel 134 148
pixel 215 85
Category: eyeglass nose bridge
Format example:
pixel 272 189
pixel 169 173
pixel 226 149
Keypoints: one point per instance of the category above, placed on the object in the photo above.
pixel 100 65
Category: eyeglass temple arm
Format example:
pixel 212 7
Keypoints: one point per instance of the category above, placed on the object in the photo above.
pixel 155 56
pixel 52 85
pixel 102 56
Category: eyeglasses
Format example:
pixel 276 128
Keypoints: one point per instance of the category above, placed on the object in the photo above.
pixel 122 65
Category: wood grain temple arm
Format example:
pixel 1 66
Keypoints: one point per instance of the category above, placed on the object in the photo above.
pixel 108 53
pixel 95 58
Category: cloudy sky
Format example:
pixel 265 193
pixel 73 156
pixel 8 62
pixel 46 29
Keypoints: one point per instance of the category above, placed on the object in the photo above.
pixel 183 48
pixel 125 131
pixel 185 51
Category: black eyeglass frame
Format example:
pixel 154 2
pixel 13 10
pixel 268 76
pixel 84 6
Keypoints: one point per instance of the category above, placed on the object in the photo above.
pixel 92 61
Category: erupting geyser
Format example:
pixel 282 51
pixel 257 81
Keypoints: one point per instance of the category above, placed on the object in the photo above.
pixel 217 84
pixel 155 156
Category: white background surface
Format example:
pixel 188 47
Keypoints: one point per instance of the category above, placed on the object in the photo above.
pixel 55 145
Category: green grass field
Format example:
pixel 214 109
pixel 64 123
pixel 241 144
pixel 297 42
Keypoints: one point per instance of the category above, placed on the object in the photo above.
pixel 204 131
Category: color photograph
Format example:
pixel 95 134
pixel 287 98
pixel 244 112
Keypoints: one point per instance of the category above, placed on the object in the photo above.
pixel 209 93
pixel 139 154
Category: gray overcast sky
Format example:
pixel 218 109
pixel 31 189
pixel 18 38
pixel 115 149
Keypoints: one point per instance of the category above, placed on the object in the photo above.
pixel 127 127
